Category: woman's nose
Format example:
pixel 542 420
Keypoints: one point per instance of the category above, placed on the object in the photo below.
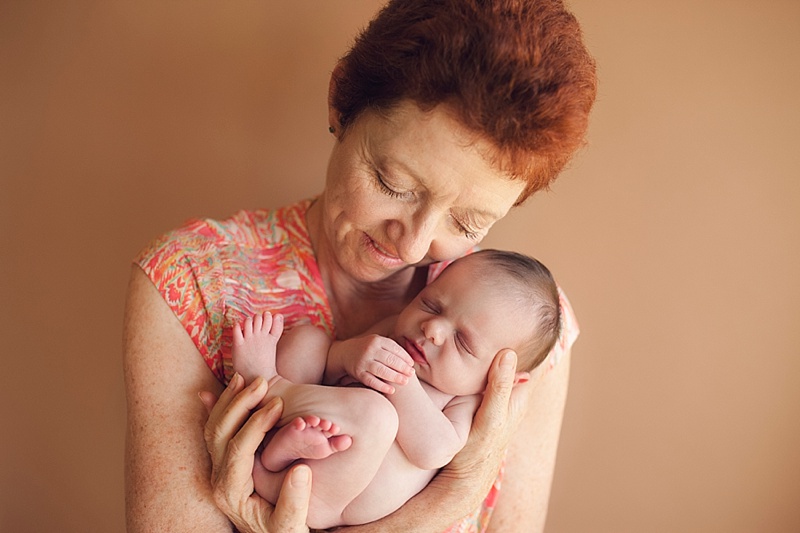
pixel 418 235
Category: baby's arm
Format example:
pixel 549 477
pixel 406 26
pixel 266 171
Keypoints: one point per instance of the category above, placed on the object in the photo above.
pixel 428 435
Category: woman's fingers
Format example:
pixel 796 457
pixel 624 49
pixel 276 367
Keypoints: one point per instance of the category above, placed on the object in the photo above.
pixel 493 410
pixel 209 400
pixel 230 413
pixel 291 509
pixel 495 422
pixel 233 476
pixel 233 433
pixel 243 445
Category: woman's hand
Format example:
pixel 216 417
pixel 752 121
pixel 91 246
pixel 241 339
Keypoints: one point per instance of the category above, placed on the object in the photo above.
pixel 232 436
pixel 475 467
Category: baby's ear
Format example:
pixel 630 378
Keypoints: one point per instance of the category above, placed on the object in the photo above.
pixel 522 377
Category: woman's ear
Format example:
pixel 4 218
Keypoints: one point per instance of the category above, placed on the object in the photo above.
pixel 334 122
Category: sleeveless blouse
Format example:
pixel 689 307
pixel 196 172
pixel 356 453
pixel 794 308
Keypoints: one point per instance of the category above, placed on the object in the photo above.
pixel 216 273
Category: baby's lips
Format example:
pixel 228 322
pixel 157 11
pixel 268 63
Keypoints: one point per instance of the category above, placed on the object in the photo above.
pixel 416 352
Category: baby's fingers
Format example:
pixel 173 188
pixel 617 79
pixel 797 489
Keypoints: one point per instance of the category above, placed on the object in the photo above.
pixel 396 358
pixel 388 374
pixel 404 359
pixel 375 383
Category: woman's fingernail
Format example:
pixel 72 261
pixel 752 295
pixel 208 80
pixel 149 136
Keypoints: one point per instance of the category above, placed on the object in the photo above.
pixel 509 359
pixel 234 382
pixel 258 383
pixel 301 476
pixel 274 402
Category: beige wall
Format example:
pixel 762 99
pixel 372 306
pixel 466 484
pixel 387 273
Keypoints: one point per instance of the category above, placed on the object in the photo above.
pixel 676 234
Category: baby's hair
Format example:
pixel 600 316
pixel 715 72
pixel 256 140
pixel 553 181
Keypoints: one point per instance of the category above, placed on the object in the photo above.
pixel 537 291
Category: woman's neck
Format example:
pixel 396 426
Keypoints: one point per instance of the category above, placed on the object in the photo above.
pixel 358 305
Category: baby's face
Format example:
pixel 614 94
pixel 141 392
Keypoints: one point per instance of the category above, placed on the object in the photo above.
pixel 456 326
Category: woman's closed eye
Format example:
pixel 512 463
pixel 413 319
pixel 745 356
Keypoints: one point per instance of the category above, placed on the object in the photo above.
pixel 391 190
pixel 468 232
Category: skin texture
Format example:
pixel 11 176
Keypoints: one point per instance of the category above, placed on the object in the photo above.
pixel 456 326
pixel 405 189
pixel 442 198
pixel 531 458
pixel 167 481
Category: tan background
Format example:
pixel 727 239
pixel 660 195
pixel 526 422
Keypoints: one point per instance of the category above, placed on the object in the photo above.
pixel 676 234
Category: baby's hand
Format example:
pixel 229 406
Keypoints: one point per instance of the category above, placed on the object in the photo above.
pixel 376 361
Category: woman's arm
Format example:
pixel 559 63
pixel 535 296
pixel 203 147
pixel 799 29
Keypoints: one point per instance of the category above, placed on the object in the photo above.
pixel 167 465
pixel 522 505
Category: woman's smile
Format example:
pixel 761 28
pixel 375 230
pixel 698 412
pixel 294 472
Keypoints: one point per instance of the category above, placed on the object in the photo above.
pixel 381 255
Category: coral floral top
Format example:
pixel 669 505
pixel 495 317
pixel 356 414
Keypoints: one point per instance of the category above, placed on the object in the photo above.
pixel 215 273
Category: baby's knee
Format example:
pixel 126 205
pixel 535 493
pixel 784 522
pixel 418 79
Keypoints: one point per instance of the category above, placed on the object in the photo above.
pixel 377 413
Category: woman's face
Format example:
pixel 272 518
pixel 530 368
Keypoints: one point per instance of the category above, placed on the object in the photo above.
pixel 409 188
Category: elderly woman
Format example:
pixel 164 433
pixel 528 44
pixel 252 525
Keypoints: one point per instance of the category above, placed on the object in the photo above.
pixel 446 114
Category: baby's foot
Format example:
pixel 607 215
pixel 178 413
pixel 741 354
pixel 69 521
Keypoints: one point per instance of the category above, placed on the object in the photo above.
pixel 307 437
pixel 255 344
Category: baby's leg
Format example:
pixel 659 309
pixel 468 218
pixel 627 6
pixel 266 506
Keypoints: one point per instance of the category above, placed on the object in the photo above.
pixel 371 420
pixel 306 437
pixel 255 344
pixel 365 417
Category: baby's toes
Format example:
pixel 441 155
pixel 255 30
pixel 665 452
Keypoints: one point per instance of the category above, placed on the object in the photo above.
pixel 238 336
pixel 325 425
pixel 311 420
pixel 266 321
pixel 258 320
pixel 276 326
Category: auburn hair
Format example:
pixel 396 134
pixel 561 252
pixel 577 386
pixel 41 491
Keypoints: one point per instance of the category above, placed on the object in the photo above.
pixel 516 72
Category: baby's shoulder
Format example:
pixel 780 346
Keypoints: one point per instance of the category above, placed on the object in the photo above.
pixel 468 401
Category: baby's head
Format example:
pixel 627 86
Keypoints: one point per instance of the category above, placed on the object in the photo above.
pixel 528 288
pixel 479 305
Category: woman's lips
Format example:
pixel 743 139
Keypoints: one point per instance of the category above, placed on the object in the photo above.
pixel 415 351
pixel 382 254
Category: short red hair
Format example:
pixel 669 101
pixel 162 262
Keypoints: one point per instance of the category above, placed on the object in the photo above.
pixel 514 71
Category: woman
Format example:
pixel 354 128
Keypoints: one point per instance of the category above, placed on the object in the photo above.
pixel 446 114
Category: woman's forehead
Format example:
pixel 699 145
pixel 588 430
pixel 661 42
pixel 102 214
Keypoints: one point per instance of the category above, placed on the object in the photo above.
pixel 441 157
